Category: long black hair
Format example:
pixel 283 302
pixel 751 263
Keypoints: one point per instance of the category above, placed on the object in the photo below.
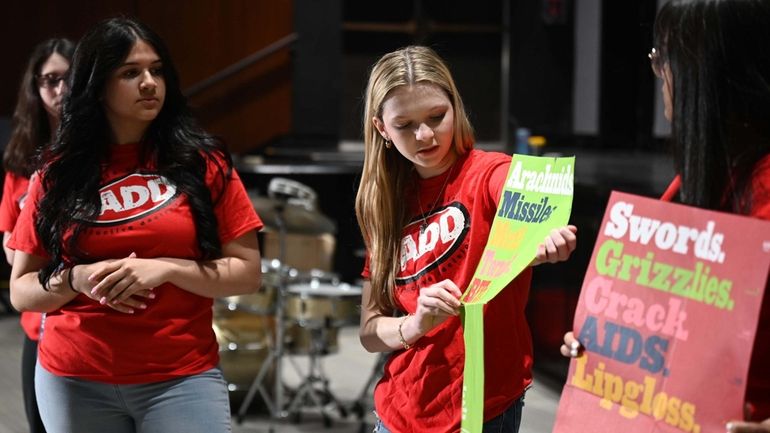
pixel 719 55
pixel 30 127
pixel 173 141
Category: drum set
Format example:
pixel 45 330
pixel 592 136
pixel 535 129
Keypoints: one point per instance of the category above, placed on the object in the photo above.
pixel 297 312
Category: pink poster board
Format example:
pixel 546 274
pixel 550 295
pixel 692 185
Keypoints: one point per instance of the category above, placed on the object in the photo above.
pixel 667 315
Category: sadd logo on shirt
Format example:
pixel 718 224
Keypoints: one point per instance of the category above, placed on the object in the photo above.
pixel 445 230
pixel 134 196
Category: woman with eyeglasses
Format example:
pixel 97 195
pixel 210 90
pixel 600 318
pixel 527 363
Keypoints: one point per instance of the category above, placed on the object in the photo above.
pixel 35 120
pixel 713 60
pixel 136 221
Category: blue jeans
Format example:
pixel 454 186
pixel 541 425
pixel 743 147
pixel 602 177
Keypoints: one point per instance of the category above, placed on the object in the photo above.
pixel 191 404
pixel 507 422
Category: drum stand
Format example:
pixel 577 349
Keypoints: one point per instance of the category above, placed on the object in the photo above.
pixel 281 190
pixel 275 405
pixel 315 375
pixel 277 352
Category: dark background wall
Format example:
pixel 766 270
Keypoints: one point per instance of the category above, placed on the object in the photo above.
pixel 310 95
pixel 317 66
pixel 204 36
pixel 542 56
pixel 468 38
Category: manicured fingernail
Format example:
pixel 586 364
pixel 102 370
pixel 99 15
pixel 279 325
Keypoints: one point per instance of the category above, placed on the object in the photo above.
pixel 573 353
pixel 575 345
pixel 152 296
pixel 130 311
pixel 93 292
pixel 103 300
pixel 143 306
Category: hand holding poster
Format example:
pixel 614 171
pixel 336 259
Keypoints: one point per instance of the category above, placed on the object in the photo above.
pixel 536 198
pixel 667 316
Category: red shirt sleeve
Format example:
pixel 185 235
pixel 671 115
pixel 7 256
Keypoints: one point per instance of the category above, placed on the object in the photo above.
pixel 232 207
pixel 760 188
pixel 24 237
pixel 497 176
pixel 14 190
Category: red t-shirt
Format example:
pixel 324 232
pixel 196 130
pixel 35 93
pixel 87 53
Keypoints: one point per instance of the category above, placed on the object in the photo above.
pixel 14 196
pixel 141 213
pixel 421 388
pixel 758 385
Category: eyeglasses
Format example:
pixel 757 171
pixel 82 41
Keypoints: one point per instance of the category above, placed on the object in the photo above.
pixel 49 81
pixel 657 62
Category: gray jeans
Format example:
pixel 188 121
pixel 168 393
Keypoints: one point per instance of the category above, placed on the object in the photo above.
pixel 191 404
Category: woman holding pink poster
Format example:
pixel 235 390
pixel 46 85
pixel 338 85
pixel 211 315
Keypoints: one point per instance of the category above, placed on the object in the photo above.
pixel 713 59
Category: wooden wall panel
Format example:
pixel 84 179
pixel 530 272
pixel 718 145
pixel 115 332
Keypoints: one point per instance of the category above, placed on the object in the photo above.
pixel 25 23
pixel 204 36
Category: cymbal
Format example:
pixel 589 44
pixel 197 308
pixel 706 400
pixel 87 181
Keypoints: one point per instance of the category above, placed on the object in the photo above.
pixel 297 218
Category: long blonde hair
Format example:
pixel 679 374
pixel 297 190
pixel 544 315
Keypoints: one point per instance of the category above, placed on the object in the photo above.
pixel 380 210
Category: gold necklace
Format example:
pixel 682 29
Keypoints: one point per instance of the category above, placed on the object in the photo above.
pixel 423 214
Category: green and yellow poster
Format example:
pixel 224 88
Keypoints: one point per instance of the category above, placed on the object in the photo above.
pixel 536 198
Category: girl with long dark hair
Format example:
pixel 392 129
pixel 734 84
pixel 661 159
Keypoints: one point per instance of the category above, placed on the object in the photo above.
pixel 713 60
pixel 35 120
pixel 136 221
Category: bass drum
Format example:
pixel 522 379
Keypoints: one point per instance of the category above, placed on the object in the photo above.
pixel 244 344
